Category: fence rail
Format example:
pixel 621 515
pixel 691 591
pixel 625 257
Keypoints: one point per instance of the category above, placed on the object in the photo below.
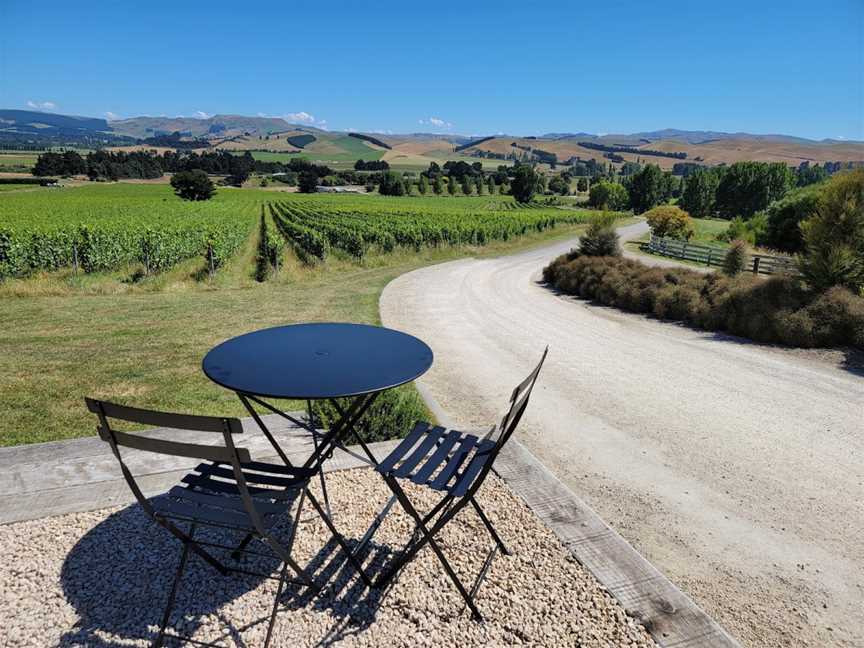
pixel 713 256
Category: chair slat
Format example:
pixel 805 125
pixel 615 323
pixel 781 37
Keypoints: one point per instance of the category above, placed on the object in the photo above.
pixel 257 478
pixel 231 488
pixel 232 502
pixel 175 448
pixel 204 514
pixel 481 457
pixel 295 471
pixel 404 446
pixel 165 419
pixel 423 449
pixel 456 459
pixel 437 458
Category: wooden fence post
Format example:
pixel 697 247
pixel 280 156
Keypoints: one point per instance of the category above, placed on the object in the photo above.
pixel 755 265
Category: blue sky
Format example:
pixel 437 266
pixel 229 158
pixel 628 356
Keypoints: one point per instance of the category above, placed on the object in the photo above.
pixel 473 68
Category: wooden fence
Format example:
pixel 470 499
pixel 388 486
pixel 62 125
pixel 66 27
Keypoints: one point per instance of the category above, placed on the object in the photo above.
pixel 713 256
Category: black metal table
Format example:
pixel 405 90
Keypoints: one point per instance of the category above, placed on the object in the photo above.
pixel 309 362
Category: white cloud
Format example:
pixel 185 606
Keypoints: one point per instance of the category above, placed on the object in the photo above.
pixel 301 117
pixel 41 105
pixel 111 116
pixel 200 114
pixel 435 122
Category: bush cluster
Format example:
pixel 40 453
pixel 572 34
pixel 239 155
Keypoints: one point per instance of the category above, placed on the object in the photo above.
pixel 776 310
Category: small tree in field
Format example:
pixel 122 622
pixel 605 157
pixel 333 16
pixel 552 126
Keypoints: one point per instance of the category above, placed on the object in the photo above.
pixel 423 185
pixel 466 186
pixel 582 184
pixel 193 185
pixel 671 221
pixel 490 185
pixel 307 182
pixel 391 185
pixel 526 182
pixel 438 185
pixel 451 185
pixel 479 184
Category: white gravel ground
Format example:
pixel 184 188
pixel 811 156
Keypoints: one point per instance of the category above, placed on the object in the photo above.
pixel 100 578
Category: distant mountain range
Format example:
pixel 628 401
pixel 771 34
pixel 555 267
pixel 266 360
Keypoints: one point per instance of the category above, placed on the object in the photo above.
pixel 22 128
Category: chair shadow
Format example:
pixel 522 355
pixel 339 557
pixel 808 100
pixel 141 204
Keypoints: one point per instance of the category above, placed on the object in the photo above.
pixel 118 575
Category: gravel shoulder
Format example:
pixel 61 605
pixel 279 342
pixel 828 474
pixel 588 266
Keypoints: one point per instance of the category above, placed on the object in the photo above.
pixel 734 467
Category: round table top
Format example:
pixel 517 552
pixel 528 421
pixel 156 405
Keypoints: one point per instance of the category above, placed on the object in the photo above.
pixel 315 361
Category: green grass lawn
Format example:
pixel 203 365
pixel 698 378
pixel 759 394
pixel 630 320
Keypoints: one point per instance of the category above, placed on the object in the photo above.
pixel 144 343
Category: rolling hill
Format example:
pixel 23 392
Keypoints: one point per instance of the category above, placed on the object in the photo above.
pixel 275 137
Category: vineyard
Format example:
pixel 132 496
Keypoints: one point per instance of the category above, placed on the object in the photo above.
pixel 103 228
pixel 358 225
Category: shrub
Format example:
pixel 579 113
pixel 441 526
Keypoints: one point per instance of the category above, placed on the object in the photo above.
pixel 192 185
pixel 669 220
pixel 391 185
pixel 391 416
pixel 601 239
pixel 752 231
pixel 608 195
pixel 735 260
pixel 780 309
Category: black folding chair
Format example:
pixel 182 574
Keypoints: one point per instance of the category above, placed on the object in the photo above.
pixel 455 464
pixel 227 491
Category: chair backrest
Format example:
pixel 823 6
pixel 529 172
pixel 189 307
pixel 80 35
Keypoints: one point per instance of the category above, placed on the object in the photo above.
pixel 225 452
pixel 518 402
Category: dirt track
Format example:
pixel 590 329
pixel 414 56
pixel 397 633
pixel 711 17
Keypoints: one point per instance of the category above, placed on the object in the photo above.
pixel 737 469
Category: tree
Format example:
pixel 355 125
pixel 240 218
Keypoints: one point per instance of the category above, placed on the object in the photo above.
pixel 700 193
pixel 834 236
pixel 559 185
pixel 423 185
pixel 478 184
pixel 670 221
pixel 438 185
pixel 608 195
pixel 466 186
pixel 785 217
pixel 391 185
pixel 582 184
pixel 646 188
pixel 192 185
pixel 748 187
pixel 307 182
pixel 490 185
pixel 525 183
pixel 409 185
pixel 451 185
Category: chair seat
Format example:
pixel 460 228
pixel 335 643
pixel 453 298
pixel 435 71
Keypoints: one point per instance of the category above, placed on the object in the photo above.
pixel 210 495
pixel 444 460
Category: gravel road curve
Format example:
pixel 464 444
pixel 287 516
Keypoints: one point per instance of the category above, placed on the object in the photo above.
pixel 736 468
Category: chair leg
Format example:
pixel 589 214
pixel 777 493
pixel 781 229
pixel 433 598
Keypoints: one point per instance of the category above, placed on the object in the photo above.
pixel 276 604
pixel 173 595
pixel 427 538
pixel 490 528
pixel 352 558
pixel 243 544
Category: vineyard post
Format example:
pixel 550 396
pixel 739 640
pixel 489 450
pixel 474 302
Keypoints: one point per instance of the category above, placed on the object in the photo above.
pixel 211 270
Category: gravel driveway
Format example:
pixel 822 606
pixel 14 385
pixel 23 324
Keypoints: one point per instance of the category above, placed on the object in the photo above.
pixel 735 468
